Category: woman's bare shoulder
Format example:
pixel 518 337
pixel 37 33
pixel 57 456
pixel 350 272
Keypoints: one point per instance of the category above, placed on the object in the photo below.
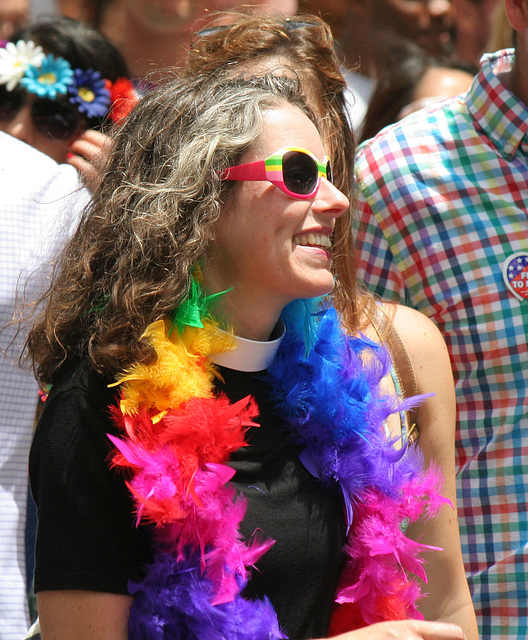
pixel 419 334
pixel 408 322
pixel 425 347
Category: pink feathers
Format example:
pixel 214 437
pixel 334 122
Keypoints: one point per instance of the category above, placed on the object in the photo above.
pixel 200 431
pixel 381 556
pixel 180 483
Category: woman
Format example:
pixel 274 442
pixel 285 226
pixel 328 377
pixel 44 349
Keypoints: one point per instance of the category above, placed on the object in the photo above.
pixel 303 47
pixel 58 79
pixel 183 235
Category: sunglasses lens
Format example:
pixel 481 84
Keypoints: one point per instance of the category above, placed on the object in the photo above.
pixel 329 174
pixel 54 119
pixel 10 103
pixel 299 172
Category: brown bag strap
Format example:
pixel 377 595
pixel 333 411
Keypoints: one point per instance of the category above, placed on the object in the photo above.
pixel 402 366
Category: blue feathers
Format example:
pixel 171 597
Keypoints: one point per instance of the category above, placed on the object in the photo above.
pixel 328 395
pixel 332 402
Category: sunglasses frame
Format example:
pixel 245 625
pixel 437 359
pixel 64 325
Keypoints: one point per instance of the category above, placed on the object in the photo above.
pixel 272 170
pixel 289 23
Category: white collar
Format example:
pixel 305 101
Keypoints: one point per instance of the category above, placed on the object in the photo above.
pixel 250 355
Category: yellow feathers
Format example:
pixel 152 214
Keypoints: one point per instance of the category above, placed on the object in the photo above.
pixel 182 369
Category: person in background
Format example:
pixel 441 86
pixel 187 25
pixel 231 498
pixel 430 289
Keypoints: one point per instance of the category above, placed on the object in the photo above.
pixel 443 197
pixel 59 78
pixel 408 80
pixel 154 37
pixel 501 32
pixel 363 28
pixel 87 90
pixel 13 13
pixel 38 204
pixel 473 23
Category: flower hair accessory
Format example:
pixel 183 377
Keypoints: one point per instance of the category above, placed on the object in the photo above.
pixel 24 64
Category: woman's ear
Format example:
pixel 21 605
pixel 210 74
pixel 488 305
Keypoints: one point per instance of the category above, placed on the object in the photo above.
pixel 517 11
pixel 209 235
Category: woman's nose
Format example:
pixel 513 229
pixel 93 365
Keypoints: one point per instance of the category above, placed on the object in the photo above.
pixel 329 200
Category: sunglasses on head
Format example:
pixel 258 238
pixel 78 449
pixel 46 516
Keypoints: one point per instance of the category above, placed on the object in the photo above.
pixel 50 117
pixel 295 171
pixel 289 24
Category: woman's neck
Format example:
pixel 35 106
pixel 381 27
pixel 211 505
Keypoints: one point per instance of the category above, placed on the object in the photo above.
pixel 249 317
pixel 253 326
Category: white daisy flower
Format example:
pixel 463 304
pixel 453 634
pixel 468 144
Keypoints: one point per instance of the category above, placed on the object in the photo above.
pixel 15 59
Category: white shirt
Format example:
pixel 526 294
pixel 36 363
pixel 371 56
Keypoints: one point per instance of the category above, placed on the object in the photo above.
pixel 39 202
pixel 358 94
pixel 43 8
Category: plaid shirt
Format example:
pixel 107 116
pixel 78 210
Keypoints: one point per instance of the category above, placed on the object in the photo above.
pixel 443 199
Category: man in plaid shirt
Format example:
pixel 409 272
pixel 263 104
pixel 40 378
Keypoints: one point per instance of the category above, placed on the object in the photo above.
pixel 443 206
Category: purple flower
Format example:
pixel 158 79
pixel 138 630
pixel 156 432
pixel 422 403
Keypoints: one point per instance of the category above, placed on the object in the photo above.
pixel 88 93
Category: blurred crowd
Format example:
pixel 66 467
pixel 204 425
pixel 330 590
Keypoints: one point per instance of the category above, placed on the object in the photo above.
pixel 389 49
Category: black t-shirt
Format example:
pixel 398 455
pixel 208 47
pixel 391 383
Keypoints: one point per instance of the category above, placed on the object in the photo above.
pixel 87 538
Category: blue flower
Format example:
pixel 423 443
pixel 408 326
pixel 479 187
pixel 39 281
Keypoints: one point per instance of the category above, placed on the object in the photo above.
pixel 49 79
pixel 89 93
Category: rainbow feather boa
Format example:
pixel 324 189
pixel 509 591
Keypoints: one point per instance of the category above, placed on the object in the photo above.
pixel 179 434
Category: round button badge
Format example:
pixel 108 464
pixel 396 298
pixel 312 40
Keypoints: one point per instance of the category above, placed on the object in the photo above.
pixel 515 273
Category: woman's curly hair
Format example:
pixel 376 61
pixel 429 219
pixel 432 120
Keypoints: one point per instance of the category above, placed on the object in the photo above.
pixel 300 46
pixel 129 262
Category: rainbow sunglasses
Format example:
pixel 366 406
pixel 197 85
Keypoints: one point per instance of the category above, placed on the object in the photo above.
pixel 294 170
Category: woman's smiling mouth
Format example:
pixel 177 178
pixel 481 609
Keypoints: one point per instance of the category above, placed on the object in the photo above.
pixel 318 240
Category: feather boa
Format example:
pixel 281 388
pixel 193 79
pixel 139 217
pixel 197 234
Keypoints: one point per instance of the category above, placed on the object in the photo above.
pixel 178 436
